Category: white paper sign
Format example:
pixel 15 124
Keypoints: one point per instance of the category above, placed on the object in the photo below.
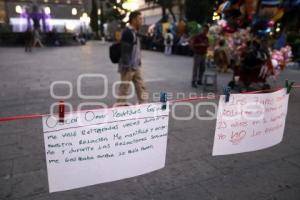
pixel 105 145
pixel 250 122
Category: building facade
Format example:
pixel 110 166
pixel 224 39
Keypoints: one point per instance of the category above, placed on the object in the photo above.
pixel 63 15
pixel 153 13
pixel 2 12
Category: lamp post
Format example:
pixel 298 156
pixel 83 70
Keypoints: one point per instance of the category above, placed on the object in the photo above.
pixel 102 18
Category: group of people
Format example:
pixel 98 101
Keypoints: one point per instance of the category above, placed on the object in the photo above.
pixel 130 58
pixel 245 58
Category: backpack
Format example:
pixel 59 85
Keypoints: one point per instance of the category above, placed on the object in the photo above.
pixel 115 52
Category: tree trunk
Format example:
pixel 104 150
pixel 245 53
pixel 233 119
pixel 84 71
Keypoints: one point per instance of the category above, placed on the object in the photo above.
pixel 102 19
pixel 172 13
pixel 6 12
pixel 258 8
pixel 164 15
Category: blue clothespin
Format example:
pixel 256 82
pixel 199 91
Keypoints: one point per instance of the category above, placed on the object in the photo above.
pixel 227 91
pixel 163 100
pixel 289 86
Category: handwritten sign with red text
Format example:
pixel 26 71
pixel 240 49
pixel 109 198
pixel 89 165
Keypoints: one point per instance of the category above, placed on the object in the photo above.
pixel 250 122
pixel 99 146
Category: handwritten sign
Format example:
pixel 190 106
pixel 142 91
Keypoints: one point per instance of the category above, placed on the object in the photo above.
pixel 105 145
pixel 250 122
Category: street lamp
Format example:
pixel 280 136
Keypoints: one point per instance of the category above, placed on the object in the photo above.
pixel 131 5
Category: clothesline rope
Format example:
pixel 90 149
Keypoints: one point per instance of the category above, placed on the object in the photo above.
pixel 34 116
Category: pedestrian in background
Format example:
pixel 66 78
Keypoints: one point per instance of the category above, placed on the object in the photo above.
pixel 168 41
pixel 28 40
pixel 37 38
pixel 130 62
pixel 199 45
pixel 221 57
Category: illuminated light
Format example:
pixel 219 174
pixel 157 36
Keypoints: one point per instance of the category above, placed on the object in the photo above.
pixel 271 33
pixel 131 5
pixel 215 14
pixel 215 18
pixel 74 11
pixel 47 10
pixel 18 9
pixel 99 11
pixel 271 23
pixel 64 23
pixel 85 18
pixel 115 7
pixel 278 29
pixel 68 1
pixel 84 15
pixel 46 1
pixel 70 26
pixel 20 24
pixel 126 19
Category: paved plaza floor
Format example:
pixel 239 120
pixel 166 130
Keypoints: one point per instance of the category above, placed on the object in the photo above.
pixel 191 172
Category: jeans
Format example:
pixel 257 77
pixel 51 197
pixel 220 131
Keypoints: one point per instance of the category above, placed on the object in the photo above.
pixel 199 67
pixel 168 49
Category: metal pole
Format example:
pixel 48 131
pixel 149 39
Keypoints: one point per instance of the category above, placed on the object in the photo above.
pixel 102 18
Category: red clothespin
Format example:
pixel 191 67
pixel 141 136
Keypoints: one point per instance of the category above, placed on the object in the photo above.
pixel 61 111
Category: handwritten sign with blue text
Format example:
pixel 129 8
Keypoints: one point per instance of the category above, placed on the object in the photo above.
pixel 250 122
pixel 99 146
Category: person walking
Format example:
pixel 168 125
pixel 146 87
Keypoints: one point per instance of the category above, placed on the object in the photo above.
pixel 199 45
pixel 130 61
pixel 28 39
pixel 37 38
pixel 168 41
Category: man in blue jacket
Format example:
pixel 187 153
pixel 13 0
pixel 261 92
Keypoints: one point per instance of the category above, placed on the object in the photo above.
pixel 130 61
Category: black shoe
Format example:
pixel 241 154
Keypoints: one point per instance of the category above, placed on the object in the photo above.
pixel 194 85
pixel 199 82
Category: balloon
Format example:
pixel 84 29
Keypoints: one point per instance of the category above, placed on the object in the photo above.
pixel 274 63
pixel 223 6
pixel 251 7
pixel 165 27
pixel 278 15
pixel 270 2
pixel 229 29
pixel 268 12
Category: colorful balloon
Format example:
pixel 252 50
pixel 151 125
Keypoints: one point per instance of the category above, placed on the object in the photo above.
pixel 278 15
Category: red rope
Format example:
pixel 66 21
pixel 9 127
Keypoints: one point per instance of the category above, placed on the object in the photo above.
pixel 34 116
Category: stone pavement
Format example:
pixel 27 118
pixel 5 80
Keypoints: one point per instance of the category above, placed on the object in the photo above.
pixel 191 173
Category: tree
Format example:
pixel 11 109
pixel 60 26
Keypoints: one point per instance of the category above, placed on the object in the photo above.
pixel 165 5
pixel 94 18
pixel 200 11
pixel 115 11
